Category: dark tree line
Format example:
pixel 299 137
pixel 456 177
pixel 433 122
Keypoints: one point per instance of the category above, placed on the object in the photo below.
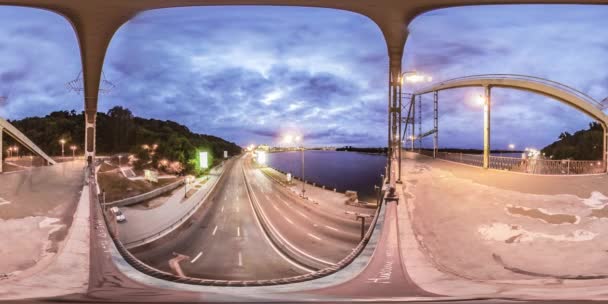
pixel 119 131
pixel 582 145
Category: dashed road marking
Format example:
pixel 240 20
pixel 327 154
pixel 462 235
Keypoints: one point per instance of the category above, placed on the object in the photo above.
pixel 289 220
pixel 240 259
pixel 238 231
pixel 332 228
pixel 314 236
pixel 303 215
pixel 222 209
pixel 196 257
pixel 4 202
pixel 214 230
pixel 237 209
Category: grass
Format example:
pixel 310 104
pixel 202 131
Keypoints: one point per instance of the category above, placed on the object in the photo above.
pixel 119 187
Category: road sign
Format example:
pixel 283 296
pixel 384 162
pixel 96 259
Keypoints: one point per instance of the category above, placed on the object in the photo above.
pixel 225 154
pixel 289 177
pixel 151 176
pixel 204 158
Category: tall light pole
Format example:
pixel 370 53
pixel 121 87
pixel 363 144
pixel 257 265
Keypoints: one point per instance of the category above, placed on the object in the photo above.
pixel 73 148
pixel 16 149
pixel 62 142
pixel 298 139
pixel 412 77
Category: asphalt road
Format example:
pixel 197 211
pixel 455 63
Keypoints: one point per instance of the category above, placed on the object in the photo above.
pixel 226 242
pixel 322 235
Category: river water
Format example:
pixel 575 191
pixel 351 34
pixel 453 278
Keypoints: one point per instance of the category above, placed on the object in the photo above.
pixel 335 169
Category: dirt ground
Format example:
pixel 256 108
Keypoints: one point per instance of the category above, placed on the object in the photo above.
pixel 489 225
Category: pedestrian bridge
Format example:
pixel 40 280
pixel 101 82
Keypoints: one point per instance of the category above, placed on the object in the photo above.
pixel 6 127
pixel 552 89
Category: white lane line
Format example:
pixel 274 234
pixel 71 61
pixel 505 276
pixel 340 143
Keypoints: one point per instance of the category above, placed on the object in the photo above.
pixel 303 215
pixel 214 230
pixel 222 208
pixel 314 236
pixel 289 220
pixel 332 228
pixel 275 207
pixel 251 195
pixel 4 202
pixel 240 259
pixel 238 231
pixel 196 258
pixel 237 209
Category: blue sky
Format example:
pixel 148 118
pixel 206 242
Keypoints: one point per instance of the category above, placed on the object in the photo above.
pixel 250 74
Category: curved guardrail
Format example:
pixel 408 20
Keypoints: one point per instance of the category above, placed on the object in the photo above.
pixel 551 83
pixel 151 271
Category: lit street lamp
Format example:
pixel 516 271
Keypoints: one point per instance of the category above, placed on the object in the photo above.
pixel 62 142
pixel 289 139
pixel 73 148
pixel 16 149
pixel 411 77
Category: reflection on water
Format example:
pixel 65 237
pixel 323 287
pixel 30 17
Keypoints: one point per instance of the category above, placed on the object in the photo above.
pixel 335 169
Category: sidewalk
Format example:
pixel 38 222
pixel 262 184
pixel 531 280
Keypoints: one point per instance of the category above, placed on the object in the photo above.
pixel 66 273
pixel 422 264
pixel 146 225
pixel 326 199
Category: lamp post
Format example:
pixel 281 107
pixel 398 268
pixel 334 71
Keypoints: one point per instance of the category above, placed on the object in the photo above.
pixel 298 139
pixel 288 139
pixel 412 77
pixel 73 148
pixel 16 149
pixel 62 142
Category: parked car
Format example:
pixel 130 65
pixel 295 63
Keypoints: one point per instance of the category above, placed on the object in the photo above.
pixel 120 217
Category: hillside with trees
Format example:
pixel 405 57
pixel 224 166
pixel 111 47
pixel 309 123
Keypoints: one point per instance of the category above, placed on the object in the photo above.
pixel 582 145
pixel 119 131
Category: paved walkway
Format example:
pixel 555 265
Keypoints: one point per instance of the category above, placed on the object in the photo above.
pixel 451 243
pixel 145 225
pixel 66 273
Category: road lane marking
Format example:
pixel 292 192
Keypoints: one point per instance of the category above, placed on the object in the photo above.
pixel 222 208
pixel 304 215
pixel 240 259
pixel 314 236
pixel 214 230
pixel 196 257
pixel 251 195
pixel 238 231
pixel 332 228
pixel 275 207
pixel 289 220
pixel 237 209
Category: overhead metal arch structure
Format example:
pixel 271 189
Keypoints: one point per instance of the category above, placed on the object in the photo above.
pixel 6 127
pixel 552 89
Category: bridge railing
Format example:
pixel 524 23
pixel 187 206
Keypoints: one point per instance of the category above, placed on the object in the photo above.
pixel 532 166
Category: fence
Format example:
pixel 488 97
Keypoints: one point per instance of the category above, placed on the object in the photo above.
pixel 533 166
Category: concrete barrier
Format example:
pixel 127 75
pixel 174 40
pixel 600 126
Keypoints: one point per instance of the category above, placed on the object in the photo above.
pixel 145 196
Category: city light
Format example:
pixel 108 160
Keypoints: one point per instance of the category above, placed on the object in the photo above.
pixel 480 100
pixel 261 157
pixel 511 146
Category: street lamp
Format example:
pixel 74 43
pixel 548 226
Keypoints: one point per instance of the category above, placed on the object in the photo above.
pixel 297 140
pixel 62 142
pixel 411 77
pixel 73 148
pixel 16 149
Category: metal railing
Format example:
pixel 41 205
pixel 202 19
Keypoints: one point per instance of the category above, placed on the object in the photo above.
pixel 532 166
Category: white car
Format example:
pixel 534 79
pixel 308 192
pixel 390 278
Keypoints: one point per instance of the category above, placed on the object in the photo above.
pixel 120 217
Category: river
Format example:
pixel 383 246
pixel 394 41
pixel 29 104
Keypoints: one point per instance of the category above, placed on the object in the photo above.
pixel 335 169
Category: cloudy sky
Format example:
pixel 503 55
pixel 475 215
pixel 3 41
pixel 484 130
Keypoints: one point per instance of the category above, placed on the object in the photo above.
pixel 250 74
